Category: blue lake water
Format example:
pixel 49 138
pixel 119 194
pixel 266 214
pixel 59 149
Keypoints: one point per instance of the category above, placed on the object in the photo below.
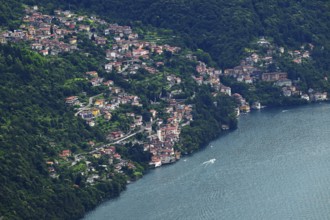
pixel 276 165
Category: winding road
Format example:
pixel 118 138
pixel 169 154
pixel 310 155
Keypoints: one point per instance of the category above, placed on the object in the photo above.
pixel 90 101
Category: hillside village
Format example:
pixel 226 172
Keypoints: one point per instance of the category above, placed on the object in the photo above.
pixel 126 55
pixel 256 67
pixel 125 58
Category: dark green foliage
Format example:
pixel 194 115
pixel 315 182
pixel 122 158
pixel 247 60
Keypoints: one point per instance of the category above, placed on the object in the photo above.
pixel 135 153
pixel 33 88
pixel 209 116
pixel 10 14
pixel 33 116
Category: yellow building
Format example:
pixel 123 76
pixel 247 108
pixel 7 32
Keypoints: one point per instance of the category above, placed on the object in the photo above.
pixel 99 103
pixel 96 155
pixel 96 112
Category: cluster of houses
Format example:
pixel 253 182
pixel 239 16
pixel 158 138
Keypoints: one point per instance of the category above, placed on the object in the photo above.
pixel 125 57
pixel 128 54
pixel 113 159
pixel 299 55
pixel 315 96
pixel 161 139
pixel 103 107
pixel 208 76
pixel 211 76
pixel 44 34
pixel 93 172
pixel 254 69
pixel 161 142
pixel 52 164
pixel 54 34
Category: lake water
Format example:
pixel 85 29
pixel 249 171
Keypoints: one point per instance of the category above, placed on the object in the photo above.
pixel 276 165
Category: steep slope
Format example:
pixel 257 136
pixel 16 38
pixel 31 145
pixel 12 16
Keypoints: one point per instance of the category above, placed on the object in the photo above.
pixel 34 125
pixel 34 119
pixel 223 28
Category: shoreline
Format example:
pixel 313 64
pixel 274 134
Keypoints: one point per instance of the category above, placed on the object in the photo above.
pixel 183 155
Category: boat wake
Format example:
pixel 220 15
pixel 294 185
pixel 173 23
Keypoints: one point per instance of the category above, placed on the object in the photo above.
pixel 209 162
pixel 285 110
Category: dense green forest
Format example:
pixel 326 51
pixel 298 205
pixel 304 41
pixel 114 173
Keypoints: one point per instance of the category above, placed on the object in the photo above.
pixel 35 124
pixel 208 119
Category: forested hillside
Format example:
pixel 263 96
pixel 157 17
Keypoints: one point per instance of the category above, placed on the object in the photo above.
pixel 36 124
pixel 43 146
